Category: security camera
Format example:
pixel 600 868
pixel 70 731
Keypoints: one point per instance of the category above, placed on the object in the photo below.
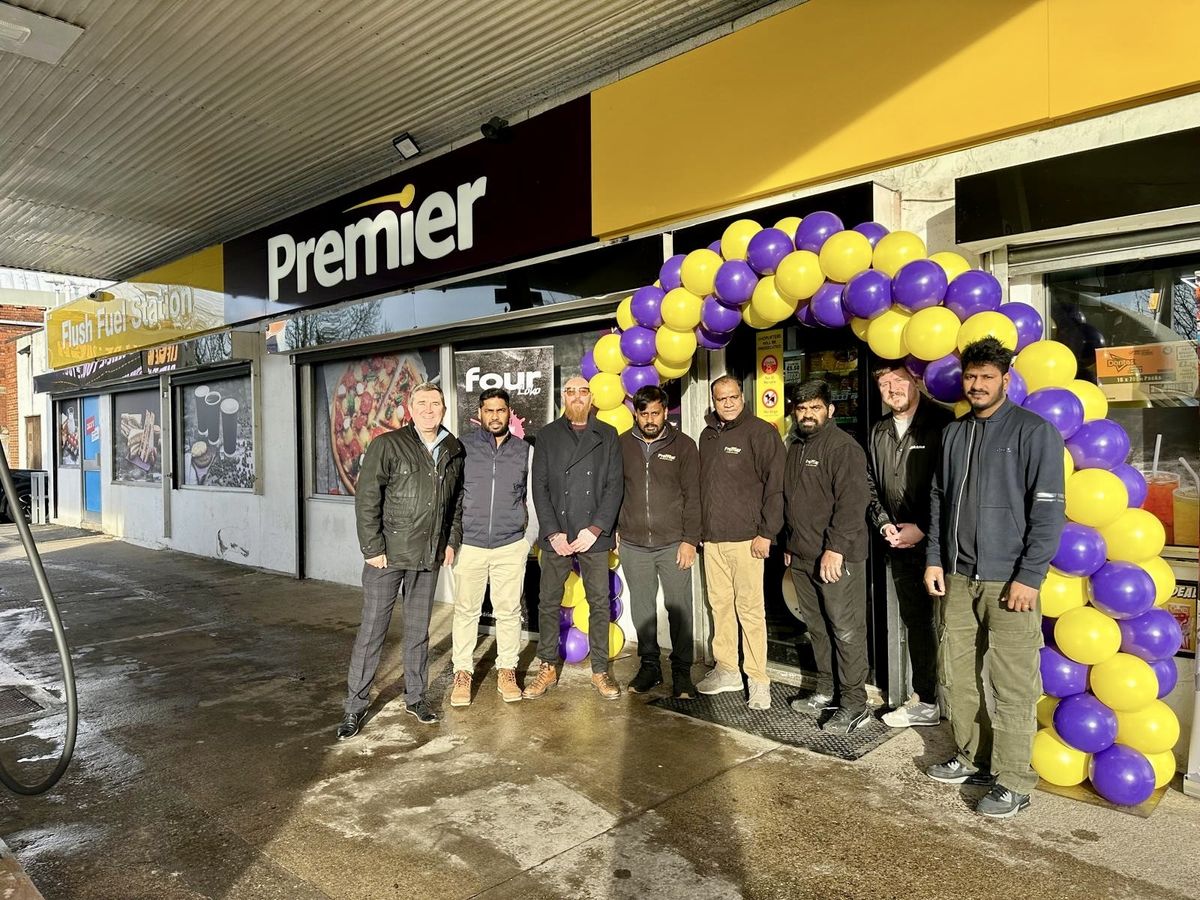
pixel 494 129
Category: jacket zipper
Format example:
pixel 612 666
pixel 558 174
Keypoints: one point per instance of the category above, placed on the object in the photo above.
pixel 649 529
pixel 958 504
pixel 492 502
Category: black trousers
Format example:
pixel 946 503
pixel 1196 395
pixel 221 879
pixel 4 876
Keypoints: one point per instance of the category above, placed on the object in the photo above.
pixel 644 568
pixel 836 616
pixel 917 612
pixel 593 569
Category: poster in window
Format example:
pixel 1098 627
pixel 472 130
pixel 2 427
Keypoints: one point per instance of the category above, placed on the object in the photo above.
pixel 68 434
pixel 356 401
pixel 527 373
pixel 137 452
pixel 218 434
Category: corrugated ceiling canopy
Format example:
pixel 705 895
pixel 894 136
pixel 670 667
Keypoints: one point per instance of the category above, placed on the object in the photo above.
pixel 171 125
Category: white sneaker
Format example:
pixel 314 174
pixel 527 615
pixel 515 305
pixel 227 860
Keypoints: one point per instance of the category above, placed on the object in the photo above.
pixel 760 695
pixel 913 715
pixel 719 681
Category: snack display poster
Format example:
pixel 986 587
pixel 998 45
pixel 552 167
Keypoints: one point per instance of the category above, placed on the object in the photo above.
pixel 137 450
pixel 527 373
pixel 218 433
pixel 68 434
pixel 355 401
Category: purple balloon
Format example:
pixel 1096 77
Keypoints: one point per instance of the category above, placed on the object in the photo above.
pixel 1122 590
pixel 872 231
pixel 919 284
pixel 805 316
pixel 710 340
pixel 635 377
pixel 1061 676
pixel 815 229
pixel 1167 674
pixel 943 379
pixel 827 306
pixel 1048 623
pixel 668 275
pixel 615 608
pixel 1028 321
pixel 1058 406
pixel 646 306
pixel 971 292
pixel 1081 550
pixel 734 284
pixel 715 247
pixel 766 249
pixel 575 646
pixel 1017 389
pixel 916 367
pixel 1099 444
pixel 637 345
pixel 615 585
pixel 1135 483
pixel 1085 723
pixel 868 294
pixel 565 614
pixel 587 365
pixel 717 318
pixel 1121 775
pixel 1152 635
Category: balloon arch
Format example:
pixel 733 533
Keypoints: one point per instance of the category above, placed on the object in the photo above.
pixel 1110 646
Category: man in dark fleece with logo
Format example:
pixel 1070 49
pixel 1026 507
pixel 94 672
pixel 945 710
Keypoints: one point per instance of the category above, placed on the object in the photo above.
pixel 826 494
pixel 996 515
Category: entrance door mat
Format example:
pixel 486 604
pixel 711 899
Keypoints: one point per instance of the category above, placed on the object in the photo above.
pixel 780 723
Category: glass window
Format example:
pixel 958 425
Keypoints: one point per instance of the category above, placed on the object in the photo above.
pixel 355 401
pixel 68 433
pixel 217 433
pixel 137 451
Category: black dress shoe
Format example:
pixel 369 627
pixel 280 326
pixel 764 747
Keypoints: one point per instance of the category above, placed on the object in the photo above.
pixel 682 687
pixel 646 678
pixel 422 712
pixel 351 725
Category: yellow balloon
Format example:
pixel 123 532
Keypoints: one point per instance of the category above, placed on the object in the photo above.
pixel 895 249
pixel 681 309
pixel 1045 710
pixel 619 417
pixel 767 304
pixel 1164 767
pixel 799 275
pixel 844 255
pixel 579 615
pixel 859 327
pixel 608 356
pixel 572 590
pixel 754 320
pixel 667 371
pixel 952 264
pixel 614 560
pixel 1056 761
pixel 1068 464
pixel 1046 364
pixel 788 225
pixel 1134 536
pixel 736 238
pixel 607 390
pixel 1152 729
pixel 987 324
pixel 625 314
pixel 885 334
pixel 675 348
pixel 698 271
pixel 1095 498
pixel 961 408
pixel 1095 404
pixel 1061 592
pixel 1087 635
pixel 932 333
pixel 616 639
pixel 1124 682
pixel 1163 575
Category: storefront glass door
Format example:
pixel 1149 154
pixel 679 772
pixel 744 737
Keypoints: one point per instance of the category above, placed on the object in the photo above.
pixel 91 459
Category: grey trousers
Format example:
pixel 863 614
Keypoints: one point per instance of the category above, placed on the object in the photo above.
pixel 380 589
pixel 644 568
pixel 836 616
pixel 593 569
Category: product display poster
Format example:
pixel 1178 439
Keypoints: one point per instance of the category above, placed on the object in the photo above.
pixel 218 434
pixel 354 402
pixel 527 373
pixel 68 434
pixel 137 451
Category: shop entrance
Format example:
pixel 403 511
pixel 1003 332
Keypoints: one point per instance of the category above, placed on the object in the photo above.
pixel 91 460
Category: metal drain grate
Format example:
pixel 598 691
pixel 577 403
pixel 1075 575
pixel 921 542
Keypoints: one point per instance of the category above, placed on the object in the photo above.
pixel 13 704
pixel 780 723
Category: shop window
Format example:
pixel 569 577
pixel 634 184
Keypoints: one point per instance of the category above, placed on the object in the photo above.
pixel 217 433
pixel 354 402
pixel 1133 328
pixel 137 450
pixel 68 433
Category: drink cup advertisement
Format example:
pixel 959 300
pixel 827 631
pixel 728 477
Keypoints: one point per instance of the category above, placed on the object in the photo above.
pixel 218 434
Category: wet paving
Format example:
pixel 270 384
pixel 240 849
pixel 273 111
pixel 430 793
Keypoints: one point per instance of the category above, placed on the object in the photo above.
pixel 207 768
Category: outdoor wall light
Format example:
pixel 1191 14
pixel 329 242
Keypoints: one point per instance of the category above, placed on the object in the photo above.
pixel 405 145
pixel 495 129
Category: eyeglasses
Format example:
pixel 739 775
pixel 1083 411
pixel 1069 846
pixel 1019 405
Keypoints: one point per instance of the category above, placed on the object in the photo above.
pixel 577 392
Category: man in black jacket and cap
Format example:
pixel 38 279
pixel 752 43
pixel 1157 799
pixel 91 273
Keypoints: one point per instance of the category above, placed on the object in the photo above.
pixel 577 487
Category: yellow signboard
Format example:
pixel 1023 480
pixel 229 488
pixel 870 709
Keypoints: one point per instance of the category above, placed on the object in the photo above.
pixel 768 380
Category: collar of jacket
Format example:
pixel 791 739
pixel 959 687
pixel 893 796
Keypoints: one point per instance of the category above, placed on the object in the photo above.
pixel 449 443
pixel 817 437
pixel 716 423
pixel 888 421
pixel 1006 406
pixel 666 437
pixel 483 436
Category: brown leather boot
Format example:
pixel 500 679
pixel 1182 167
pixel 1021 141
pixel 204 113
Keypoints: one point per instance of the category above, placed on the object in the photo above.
pixel 506 685
pixel 546 678
pixel 460 694
pixel 605 686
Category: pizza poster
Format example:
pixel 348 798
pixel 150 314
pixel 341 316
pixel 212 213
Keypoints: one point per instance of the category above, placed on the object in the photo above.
pixel 527 373
pixel 355 401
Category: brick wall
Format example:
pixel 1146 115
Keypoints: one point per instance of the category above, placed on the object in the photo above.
pixel 10 425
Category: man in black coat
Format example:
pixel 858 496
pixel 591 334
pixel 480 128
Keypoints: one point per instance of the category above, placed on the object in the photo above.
pixel 578 483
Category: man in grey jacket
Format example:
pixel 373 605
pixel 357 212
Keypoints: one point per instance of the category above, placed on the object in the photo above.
pixel 997 513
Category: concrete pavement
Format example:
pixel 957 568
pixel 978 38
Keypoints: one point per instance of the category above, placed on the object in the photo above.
pixel 207 768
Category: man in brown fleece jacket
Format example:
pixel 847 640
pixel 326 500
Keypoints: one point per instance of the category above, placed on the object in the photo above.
pixel 741 499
